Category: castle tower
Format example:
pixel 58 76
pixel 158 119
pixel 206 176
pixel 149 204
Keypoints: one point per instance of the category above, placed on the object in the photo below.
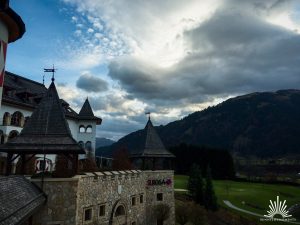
pixel 11 29
pixel 87 123
pixel 151 154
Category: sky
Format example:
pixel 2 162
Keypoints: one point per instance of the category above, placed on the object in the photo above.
pixel 170 57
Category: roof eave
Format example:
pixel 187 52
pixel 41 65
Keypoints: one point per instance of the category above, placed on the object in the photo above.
pixel 14 23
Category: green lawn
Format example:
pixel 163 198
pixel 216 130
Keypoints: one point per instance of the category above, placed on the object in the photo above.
pixel 254 197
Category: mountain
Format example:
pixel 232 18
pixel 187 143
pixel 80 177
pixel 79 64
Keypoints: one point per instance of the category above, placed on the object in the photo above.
pixel 262 124
pixel 101 142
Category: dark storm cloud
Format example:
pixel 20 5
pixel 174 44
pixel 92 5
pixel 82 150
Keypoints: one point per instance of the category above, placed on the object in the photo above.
pixel 233 52
pixel 91 83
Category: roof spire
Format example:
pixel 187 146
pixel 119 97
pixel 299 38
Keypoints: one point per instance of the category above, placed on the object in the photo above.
pixel 149 115
pixel 52 70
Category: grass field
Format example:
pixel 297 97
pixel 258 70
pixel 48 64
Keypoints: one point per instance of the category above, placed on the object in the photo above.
pixel 254 197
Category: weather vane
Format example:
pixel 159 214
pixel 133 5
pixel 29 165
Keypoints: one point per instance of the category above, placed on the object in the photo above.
pixel 52 70
pixel 148 113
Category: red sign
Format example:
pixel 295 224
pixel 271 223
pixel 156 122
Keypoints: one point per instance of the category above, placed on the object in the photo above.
pixel 159 182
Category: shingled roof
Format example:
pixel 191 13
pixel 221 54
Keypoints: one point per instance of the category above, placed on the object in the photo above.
pixel 47 130
pixel 86 112
pixel 21 91
pixel 150 144
pixel 19 200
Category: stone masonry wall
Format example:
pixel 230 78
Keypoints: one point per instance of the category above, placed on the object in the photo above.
pixel 111 189
pixel 60 208
pixel 128 197
pixel 159 182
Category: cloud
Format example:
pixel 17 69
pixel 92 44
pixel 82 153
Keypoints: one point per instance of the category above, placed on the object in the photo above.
pixel 227 56
pixel 173 57
pixel 91 83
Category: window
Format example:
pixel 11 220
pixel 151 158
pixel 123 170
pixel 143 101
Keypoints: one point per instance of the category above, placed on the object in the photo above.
pixel 141 199
pixel 88 214
pixel 81 144
pixel 88 146
pixel 102 210
pixel 133 201
pixel 13 134
pixel 81 129
pixel 6 119
pixel 17 119
pixel 159 197
pixel 89 129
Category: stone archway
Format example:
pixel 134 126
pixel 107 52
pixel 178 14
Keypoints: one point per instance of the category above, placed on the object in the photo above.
pixel 118 214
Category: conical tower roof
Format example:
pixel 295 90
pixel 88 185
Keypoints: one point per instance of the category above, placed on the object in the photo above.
pixel 86 113
pixel 47 130
pixel 151 144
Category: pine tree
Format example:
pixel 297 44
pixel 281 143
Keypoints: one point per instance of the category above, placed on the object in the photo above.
pixel 195 184
pixel 210 199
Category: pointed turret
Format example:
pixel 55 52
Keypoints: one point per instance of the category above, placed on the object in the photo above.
pixel 47 130
pixel 153 144
pixel 150 148
pixel 86 113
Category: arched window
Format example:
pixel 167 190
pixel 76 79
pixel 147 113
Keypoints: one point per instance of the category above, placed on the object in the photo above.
pixel 81 129
pixel 89 129
pixel 81 144
pixel 88 146
pixel 6 119
pixel 17 119
pixel 13 134
pixel 120 211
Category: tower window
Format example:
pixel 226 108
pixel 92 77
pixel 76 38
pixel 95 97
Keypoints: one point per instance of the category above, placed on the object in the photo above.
pixel 81 144
pixel 81 129
pixel 88 146
pixel 89 129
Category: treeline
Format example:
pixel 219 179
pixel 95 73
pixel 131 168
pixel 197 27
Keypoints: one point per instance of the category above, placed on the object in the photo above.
pixel 218 160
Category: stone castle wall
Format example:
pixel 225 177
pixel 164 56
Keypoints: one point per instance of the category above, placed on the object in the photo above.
pixel 159 182
pixel 61 202
pixel 128 197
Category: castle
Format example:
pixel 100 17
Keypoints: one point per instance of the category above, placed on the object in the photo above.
pixel 20 97
pixel 37 122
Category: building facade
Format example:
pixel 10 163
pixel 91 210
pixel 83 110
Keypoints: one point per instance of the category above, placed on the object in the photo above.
pixel 109 198
pixel 19 99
